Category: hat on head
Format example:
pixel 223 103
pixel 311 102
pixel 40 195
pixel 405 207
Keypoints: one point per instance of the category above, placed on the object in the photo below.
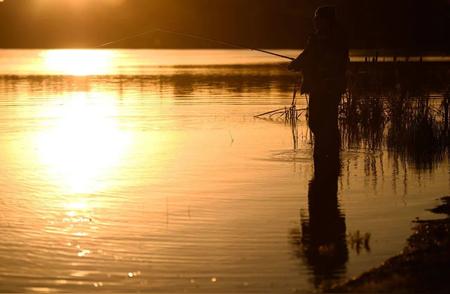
pixel 326 12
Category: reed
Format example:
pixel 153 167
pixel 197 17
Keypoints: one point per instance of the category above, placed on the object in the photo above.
pixel 403 108
pixel 287 114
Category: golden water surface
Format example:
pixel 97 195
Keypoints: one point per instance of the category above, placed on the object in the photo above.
pixel 145 170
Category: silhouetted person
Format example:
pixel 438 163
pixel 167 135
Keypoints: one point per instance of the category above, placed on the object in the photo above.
pixel 323 64
pixel 323 238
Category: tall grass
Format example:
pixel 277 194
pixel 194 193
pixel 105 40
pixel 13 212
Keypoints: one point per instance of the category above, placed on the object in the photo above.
pixel 402 107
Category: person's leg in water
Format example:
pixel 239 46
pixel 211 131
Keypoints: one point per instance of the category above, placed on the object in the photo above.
pixel 322 120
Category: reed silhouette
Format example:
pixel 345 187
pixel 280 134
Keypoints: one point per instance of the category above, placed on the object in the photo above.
pixel 402 107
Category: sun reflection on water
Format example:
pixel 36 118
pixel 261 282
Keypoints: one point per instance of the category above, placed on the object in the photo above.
pixel 84 145
pixel 79 62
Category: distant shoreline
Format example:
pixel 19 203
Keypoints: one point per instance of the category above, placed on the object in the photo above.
pixel 356 55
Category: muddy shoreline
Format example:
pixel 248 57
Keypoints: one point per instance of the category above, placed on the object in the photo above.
pixel 422 267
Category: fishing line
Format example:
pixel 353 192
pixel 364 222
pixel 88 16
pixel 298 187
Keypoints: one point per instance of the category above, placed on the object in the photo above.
pixel 126 38
pixel 193 36
pixel 290 113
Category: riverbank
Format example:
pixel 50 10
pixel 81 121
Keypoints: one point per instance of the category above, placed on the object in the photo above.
pixel 422 267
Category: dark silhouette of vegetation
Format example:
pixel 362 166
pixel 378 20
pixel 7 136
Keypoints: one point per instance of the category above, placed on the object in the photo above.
pixel 400 106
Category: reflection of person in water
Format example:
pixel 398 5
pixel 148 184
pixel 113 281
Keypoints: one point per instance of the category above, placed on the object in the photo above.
pixel 323 240
pixel 323 64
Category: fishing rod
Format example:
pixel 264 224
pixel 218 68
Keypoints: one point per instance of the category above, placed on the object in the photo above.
pixel 193 36
pixel 234 45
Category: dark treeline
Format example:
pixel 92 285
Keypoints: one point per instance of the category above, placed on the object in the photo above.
pixel 416 25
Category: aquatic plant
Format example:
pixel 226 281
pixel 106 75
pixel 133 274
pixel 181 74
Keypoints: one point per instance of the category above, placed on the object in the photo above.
pixel 358 241
pixel 289 114
pixel 398 108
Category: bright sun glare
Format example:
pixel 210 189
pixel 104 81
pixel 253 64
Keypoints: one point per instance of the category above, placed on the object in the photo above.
pixel 78 62
pixel 85 144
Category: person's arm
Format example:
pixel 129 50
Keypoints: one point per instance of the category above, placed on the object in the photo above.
pixel 300 62
pixel 297 64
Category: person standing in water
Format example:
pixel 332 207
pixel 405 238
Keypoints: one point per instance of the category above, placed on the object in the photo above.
pixel 323 64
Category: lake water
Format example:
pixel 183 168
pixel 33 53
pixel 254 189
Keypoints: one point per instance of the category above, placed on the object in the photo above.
pixel 145 170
